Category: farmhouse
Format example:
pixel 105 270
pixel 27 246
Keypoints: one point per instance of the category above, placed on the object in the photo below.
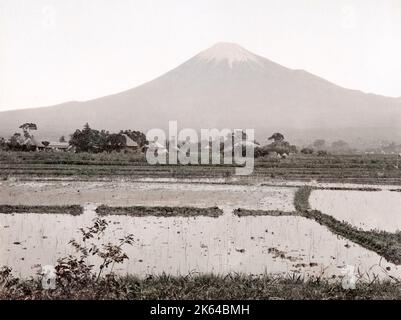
pixel 58 146
pixel 130 144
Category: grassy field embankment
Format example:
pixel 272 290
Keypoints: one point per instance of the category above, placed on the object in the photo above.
pixel 368 169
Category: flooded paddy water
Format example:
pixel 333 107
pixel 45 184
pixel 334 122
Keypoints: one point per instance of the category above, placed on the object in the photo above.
pixel 379 210
pixel 182 245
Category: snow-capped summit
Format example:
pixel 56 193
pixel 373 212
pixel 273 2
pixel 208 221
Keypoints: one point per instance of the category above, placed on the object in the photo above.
pixel 227 51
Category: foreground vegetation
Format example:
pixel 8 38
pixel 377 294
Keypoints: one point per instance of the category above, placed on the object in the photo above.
pixel 76 277
pixel 201 287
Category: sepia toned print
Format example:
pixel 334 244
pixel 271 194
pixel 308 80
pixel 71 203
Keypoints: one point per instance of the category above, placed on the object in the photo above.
pixel 200 150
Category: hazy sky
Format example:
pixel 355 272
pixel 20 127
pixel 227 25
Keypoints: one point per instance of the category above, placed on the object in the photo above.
pixel 55 50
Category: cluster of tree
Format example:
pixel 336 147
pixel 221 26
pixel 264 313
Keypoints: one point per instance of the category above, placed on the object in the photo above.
pixel 92 140
pixel 320 147
pixel 85 140
pixel 16 143
pixel 386 148
pixel 26 129
pixel 24 141
pixel 277 146
pixel 308 150
pixel 20 142
pixel 3 143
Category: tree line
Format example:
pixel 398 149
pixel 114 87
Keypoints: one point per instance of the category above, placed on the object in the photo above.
pixel 92 140
pixel 85 140
pixel 95 141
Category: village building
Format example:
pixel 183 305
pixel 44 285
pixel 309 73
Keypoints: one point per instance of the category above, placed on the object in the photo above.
pixel 130 145
pixel 58 146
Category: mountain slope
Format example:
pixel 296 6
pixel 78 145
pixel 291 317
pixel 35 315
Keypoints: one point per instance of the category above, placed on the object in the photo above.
pixel 224 86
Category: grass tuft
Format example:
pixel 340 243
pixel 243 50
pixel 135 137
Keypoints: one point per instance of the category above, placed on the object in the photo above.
pixel 205 287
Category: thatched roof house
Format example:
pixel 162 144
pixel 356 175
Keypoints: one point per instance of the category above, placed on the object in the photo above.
pixel 130 144
pixel 59 146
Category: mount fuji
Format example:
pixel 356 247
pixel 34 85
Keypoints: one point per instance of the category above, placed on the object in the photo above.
pixel 227 86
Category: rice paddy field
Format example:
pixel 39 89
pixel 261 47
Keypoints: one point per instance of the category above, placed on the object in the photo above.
pixel 306 216
pixel 361 169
